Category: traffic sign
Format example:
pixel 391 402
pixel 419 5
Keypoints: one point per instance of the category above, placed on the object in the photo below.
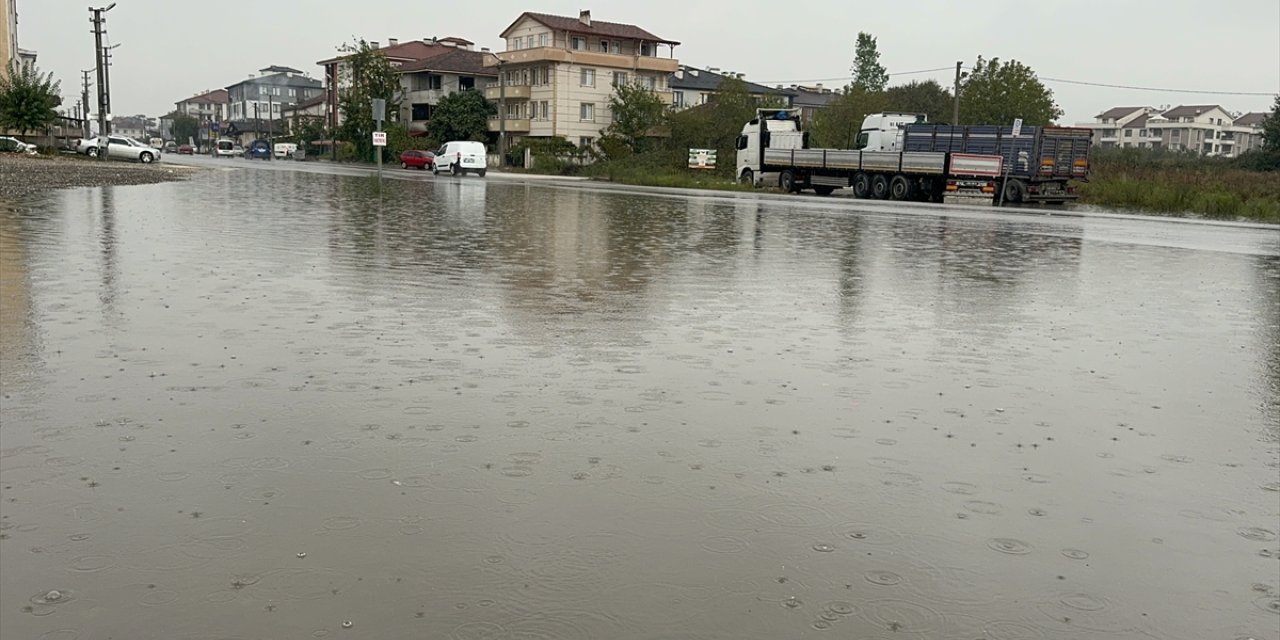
pixel 215 126
pixel 1017 127
pixel 379 138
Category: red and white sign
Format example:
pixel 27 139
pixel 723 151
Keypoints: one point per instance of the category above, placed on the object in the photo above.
pixel 379 138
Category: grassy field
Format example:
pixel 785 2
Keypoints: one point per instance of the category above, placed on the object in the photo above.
pixel 1182 186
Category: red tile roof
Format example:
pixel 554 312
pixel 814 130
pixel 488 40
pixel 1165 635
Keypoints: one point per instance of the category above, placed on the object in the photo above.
pixel 458 61
pixel 405 51
pixel 596 28
pixel 1250 119
pixel 217 96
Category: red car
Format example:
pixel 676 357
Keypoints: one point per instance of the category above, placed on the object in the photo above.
pixel 415 159
pixel 185 149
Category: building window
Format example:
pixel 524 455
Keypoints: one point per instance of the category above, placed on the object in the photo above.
pixel 588 78
pixel 677 98
pixel 604 46
pixel 578 44
pixel 616 47
pixel 466 83
pixel 1177 135
pixel 646 49
pixel 517 43
pixel 586 141
pixel 647 82
pixel 619 78
pixel 546 75
pixel 420 111
pixel 1128 133
pixel 544 39
pixel 587 112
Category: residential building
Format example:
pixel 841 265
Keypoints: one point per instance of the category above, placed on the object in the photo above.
pixel 296 114
pixel 138 127
pixel 8 33
pixel 691 86
pixel 810 100
pixel 559 73
pixel 1203 129
pixel 337 70
pixel 425 82
pixel 210 105
pixel 262 96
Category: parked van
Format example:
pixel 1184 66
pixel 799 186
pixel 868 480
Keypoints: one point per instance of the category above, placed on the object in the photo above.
pixel 460 157
pixel 226 149
pixel 157 143
pixel 285 150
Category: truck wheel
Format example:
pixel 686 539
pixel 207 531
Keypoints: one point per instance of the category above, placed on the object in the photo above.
pixel 900 188
pixel 1014 191
pixel 880 187
pixel 787 181
pixel 861 185
pixel 748 177
pixel 823 191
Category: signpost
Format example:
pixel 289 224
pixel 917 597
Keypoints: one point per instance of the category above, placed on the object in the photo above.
pixel 379 136
pixel 702 158
pixel 1017 131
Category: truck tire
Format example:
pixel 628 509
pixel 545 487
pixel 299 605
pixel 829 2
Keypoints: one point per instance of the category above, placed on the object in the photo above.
pixel 880 187
pixel 823 191
pixel 861 185
pixel 787 181
pixel 1014 191
pixel 900 188
pixel 748 177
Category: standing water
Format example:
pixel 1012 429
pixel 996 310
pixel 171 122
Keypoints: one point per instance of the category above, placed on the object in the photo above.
pixel 286 405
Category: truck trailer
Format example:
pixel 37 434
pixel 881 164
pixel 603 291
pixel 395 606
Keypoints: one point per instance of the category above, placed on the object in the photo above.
pixel 773 144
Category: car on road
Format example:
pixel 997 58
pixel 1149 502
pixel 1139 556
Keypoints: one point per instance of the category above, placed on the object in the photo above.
pixel 460 157
pixel 285 150
pixel 227 149
pixel 186 150
pixel 14 145
pixel 258 149
pixel 119 147
pixel 417 159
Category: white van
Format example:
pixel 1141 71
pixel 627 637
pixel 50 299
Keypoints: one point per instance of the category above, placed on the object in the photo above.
pixel 285 150
pixel 459 157
pixel 225 148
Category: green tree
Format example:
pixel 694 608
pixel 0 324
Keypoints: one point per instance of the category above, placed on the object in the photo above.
pixel 185 127
pixel 1271 129
pixel 461 116
pixel 927 97
pixel 28 99
pixel 838 124
pixel 637 115
pixel 365 74
pixel 867 71
pixel 715 125
pixel 997 93
pixel 1266 158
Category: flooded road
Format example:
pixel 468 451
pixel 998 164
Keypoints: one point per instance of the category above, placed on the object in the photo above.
pixel 276 404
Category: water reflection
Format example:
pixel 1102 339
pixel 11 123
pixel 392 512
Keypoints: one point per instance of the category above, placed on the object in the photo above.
pixel 480 408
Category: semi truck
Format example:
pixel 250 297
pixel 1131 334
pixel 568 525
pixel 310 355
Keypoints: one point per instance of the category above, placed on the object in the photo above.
pixel 1039 162
pixel 773 144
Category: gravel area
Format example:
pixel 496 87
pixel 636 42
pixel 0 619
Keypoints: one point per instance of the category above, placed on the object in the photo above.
pixel 21 174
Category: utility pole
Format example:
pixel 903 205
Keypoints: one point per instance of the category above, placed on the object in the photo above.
pixel 955 116
pixel 106 73
pixel 271 145
pixel 84 101
pixel 99 60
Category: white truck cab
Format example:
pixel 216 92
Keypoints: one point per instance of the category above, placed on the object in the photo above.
pixel 883 131
pixel 783 127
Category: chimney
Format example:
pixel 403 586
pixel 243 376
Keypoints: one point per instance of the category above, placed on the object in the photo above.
pixel 373 44
pixel 391 42
pixel 713 69
pixel 584 17
pixel 820 88
pixel 432 41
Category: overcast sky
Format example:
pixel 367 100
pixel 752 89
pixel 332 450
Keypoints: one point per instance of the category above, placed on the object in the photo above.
pixel 172 49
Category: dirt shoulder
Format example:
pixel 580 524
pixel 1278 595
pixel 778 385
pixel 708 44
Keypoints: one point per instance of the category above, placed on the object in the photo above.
pixel 20 174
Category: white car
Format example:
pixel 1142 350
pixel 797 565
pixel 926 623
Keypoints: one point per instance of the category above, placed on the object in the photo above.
pixel 119 147
pixel 461 157
pixel 16 145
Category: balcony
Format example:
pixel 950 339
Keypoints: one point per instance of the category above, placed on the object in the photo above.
pixel 514 92
pixel 514 125
pixel 586 58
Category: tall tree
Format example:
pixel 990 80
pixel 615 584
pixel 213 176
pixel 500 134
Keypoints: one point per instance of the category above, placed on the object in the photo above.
pixel 927 97
pixel 1271 129
pixel 365 74
pixel 997 93
pixel 837 125
pixel 461 116
pixel 185 127
pixel 867 71
pixel 636 113
pixel 28 99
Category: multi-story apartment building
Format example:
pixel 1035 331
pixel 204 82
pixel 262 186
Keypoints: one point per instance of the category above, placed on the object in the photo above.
pixel 8 34
pixel 262 96
pixel 210 105
pixel 138 127
pixel 1203 129
pixel 399 54
pixel 425 82
pixel 691 86
pixel 559 73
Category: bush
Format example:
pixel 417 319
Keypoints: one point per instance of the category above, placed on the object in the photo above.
pixel 1181 183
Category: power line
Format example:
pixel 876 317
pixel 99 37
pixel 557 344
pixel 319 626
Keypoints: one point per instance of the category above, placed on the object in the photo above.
pixel 1160 89
pixel 900 73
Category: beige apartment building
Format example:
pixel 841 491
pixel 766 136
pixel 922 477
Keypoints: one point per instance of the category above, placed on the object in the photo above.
pixel 8 33
pixel 559 73
pixel 1208 130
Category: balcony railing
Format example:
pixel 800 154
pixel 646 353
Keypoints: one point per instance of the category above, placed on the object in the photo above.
pixel 513 125
pixel 588 58
pixel 513 92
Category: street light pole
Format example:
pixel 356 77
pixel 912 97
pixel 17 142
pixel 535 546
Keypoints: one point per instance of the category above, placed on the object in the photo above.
pixel 99 60
pixel 955 115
